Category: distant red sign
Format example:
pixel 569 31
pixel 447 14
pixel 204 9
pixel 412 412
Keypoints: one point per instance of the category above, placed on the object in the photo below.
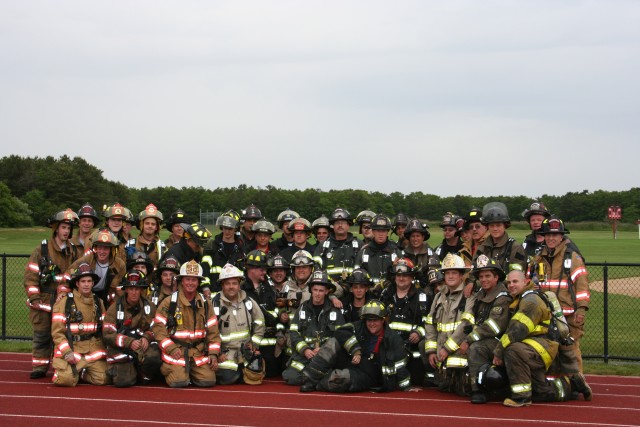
pixel 615 212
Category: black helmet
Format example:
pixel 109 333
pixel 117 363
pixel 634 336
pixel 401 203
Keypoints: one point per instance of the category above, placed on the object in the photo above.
pixel 251 212
pixel 178 217
pixel 340 214
pixel 400 219
pixel 87 211
pixel 140 257
pixel 492 377
pixel 474 215
pixel 263 226
pixel 169 263
pixel 483 262
pixel 419 226
pixel 536 208
pixel 256 258
pixel 277 262
pixel 449 220
pixel 551 225
pixel 84 269
pixel 134 279
pixel 286 215
pixel 380 222
pixel 496 212
pixel 365 216
pixel 319 277
pixel 435 276
pixel 359 276
pixel 196 232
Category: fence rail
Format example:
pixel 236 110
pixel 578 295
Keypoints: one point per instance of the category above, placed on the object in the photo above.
pixel 611 331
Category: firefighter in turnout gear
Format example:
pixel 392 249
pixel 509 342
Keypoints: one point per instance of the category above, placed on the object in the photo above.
pixel 174 225
pixel 451 243
pixel 189 248
pixel 448 324
pixel 359 284
pixel 364 355
pixel 250 215
pixel 301 230
pixel 284 219
pixel 378 256
pixel 407 308
pixel 314 323
pixel 77 333
pixel 508 253
pixel 106 263
pixel 148 241
pixel 44 280
pixel 418 250
pixel 527 350
pixel 186 328
pixel 165 283
pixel 87 221
pixel 560 269
pixel 491 313
pixel 363 221
pixel 225 248
pixel 534 215
pixel 242 330
pixel 132 353
pixel 337 254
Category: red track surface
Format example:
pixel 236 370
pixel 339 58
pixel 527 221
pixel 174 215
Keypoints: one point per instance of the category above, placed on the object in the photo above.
pixel 24 402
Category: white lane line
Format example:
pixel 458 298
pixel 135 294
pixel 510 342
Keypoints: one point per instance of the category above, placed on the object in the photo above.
pixel 123 421
pixel 330 411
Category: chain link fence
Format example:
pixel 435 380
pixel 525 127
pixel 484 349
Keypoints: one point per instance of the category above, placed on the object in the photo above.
pixel 610 331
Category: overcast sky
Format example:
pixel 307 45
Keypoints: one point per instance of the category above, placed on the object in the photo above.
pixel 449 97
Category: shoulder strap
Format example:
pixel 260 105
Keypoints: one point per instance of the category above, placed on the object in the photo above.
pixel 96 303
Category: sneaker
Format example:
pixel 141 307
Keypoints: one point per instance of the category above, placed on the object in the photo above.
pixel 516 403
pixel 581 386
pixel 478 397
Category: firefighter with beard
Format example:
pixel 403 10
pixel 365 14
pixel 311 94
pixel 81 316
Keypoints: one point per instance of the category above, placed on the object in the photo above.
pixel 44 280
pixel 77 333
pixel 133 355
pixel 314 323
pixel 364 355
pixel 491 313
pixel 186 327
pixel 407 307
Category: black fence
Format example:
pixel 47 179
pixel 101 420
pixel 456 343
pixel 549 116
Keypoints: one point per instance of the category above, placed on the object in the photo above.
pixel 610 331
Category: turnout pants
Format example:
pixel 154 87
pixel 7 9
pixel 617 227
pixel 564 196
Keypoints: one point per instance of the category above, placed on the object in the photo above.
pixel 42 347
pixel 127 372
pixel 479 353
pixel 94 372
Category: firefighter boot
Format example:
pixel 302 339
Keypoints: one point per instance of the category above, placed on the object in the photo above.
pixel 579 384
pixel 310 378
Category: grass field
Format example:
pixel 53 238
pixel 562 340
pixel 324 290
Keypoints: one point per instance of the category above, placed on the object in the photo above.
pixel 597 247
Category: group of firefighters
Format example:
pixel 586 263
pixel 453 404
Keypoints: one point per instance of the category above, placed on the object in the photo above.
pixel 480 315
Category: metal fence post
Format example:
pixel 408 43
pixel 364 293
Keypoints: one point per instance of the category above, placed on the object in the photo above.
pixel 605 321
pixel 4 296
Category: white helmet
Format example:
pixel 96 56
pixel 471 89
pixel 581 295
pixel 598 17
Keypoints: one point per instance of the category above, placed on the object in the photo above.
pixel 230 271
pixel 453 262
pixel 190 269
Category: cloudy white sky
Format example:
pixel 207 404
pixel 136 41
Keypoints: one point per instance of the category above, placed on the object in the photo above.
pixel 449 97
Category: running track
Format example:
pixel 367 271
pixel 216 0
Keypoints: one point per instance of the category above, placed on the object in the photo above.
pixel 25 402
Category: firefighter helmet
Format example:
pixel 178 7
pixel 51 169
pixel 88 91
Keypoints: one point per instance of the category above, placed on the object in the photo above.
pixel 323 221
pixel 340 214
pixel 496 212
pixel 319 277
pixel 129 217
pixel 230 271
pixel 301 258
pixel 399 219
pixel 285 216
pixel 251 212
pixel 365 216
pixel 536 208
pixel 449 220
pixel 416 225
pixel 169 263
pixel 116 211
pixel 134 279
pixel 374 309
pixel 359 276
pixel 256 258
pixel 474 215
pixel 142 258
pixel 277 262
pixel 190 269
pixel 453 262
pixel 104 237
pixel 66 216
pixel 483 262
pixel 492 378
pixel 263 226
pixel 150 212
pixel 404 266
pixel 226 221
pixel 300 224
pixel 551 225
pixel 435 276
pixel 83 269
pixel 178 217
pixel 196 232
pixel 87 211
pixel 380 222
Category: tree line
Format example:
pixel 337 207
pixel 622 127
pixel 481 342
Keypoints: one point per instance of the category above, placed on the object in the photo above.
pixel 32 188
